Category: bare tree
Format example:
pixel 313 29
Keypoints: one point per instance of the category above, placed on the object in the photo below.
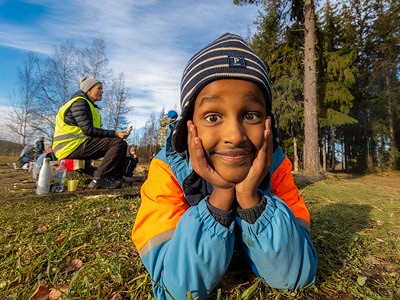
pixel 93 60
pixel 116 105
pixel 148 143
pixel 29 83
pixel 60 80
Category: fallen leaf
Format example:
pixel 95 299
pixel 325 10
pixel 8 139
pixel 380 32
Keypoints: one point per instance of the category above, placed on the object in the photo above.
pixel 57 291
pixel 76 264
pixel 380 222
pixel 133 206
pixel 41 229
pixel 54 294
pixel 361 280
pixel 116 297
pixel 72 266
pixel 60 239
pixel 42 292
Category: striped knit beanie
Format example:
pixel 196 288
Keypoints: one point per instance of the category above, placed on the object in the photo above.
pixel 228 57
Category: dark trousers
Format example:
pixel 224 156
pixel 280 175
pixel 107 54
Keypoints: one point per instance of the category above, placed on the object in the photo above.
pixel 113 151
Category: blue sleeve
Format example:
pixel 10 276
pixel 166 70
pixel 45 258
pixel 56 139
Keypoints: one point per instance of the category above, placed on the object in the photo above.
pixel 278 249
pixel 194 259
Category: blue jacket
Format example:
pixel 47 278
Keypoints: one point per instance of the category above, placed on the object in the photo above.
pixel 185 248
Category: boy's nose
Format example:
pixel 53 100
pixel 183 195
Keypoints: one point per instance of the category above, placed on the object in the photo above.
pixel 234 133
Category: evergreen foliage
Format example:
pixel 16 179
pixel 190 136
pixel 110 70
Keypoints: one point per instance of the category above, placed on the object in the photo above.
pixel 358 78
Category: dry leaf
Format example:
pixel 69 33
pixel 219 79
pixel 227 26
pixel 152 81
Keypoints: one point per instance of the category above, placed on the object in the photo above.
pixel 380 222
pixel 76 264
pixel 63 288
pixel 72 266
pixel 54 294
pixel 133 206
pixel 41 229
pixel 42 292
pixel 116 297
pixel 60 239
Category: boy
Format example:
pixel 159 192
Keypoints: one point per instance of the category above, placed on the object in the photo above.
pixel 222 176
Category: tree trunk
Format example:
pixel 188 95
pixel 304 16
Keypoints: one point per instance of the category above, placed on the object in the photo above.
pixel 369 143
pixel 333 158
pixel 296 157
pixel 393 149
pixel 324 152
pixel 312 165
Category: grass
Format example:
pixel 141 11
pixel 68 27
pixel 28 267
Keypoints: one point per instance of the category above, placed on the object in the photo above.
pixel 355 227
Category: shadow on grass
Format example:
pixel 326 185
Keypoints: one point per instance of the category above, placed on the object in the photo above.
pixel 334 229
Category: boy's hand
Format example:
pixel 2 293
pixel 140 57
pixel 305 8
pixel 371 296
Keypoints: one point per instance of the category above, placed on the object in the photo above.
pixel 223 191
pixel 246 191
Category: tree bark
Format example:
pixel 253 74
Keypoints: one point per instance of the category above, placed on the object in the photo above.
pixel 333 158
pixel 296 157
pixel 312 166
pixel 393 149
pixel 324 152
pixel 369 143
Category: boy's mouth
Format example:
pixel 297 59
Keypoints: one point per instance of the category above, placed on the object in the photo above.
pixel 233 156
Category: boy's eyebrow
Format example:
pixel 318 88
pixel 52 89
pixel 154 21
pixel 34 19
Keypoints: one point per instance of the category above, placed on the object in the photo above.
pixel 249 97
pixel 253 98
pixel 207 99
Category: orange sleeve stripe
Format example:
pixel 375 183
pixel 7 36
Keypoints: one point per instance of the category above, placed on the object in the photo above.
pixel 284 187
pixel 162 206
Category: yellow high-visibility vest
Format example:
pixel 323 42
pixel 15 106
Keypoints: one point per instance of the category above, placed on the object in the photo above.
pixel 67 138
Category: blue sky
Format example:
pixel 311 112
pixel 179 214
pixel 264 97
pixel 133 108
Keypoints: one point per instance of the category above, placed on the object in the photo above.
pixel 149 40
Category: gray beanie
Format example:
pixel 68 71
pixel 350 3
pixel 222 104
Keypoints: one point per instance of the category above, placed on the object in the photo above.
pixel 87 83
pixel 228 57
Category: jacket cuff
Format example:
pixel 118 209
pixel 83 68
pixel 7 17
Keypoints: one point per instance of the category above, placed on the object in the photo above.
pixel 251 215
pixel 223 217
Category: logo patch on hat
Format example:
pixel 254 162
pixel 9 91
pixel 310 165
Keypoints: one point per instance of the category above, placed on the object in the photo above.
pixel 236 61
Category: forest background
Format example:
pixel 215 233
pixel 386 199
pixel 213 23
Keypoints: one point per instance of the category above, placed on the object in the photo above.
pixel 355 107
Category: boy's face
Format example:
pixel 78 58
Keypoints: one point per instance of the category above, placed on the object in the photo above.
pixel 229 115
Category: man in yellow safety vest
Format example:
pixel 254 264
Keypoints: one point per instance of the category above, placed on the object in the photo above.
pixel 78 135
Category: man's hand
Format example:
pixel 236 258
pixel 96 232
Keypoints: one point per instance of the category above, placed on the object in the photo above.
pixel 122 134
pixel 223 192
pixel 246 191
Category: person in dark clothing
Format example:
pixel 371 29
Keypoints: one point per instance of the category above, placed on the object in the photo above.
pixel 78 135
pixel 131 161
pixel 39 146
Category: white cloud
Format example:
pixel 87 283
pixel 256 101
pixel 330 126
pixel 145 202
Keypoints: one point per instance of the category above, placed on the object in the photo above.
pixel 150 41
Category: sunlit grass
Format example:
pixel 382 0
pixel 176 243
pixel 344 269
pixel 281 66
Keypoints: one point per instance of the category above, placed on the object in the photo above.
pixel 355 226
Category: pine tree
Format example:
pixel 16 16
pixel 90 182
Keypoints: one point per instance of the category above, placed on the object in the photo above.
pixel 336 77
pixel 304 11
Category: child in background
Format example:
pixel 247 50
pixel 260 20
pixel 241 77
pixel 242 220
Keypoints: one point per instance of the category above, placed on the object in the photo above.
pixel 131 162
pixel 222 176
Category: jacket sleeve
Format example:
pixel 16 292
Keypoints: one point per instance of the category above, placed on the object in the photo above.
pixel 81 116
pixel 283 186
pixel 183 248
pixel 278 249
pixel 278 243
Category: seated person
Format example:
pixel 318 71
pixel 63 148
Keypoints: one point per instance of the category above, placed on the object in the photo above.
pixel 26 157
pixel 131 161
pixel 78 135
pixel 39 146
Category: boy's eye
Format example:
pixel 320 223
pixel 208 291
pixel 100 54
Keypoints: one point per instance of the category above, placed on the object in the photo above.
pixel 212 118
pixel 251 116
